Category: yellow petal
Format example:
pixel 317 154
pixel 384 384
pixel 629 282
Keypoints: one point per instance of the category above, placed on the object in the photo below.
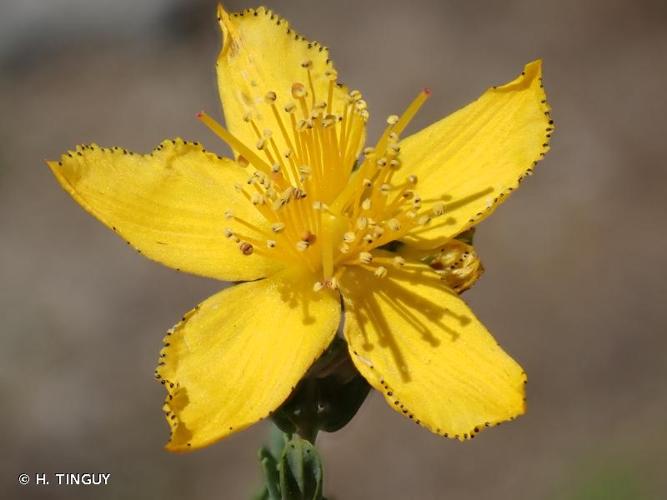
pixel 237 356
pixel 261 53
pixel 168 205
pixel 420 345
pixel 475 157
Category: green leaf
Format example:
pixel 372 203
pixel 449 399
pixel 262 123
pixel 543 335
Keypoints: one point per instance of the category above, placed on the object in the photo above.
pixel 269 466
pixel 300 471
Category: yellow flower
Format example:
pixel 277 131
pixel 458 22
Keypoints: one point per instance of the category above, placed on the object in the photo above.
pixel 293 218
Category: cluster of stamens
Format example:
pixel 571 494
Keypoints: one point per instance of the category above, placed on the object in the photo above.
pixel 318 211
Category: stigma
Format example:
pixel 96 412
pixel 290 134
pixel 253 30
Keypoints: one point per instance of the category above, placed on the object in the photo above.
pixel 326 203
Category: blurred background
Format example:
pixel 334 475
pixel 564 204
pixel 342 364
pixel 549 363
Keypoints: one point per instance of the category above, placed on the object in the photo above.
pixel 575 286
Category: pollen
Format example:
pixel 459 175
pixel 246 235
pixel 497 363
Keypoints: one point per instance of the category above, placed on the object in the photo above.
pixel 324 200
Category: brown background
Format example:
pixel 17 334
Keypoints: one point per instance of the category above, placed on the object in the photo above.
pixel 575 286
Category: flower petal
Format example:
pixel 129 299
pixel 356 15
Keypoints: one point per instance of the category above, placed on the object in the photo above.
pixel 261 53
pixel 475 157
pixel 237 356
pixel 420 345
pixel 169 205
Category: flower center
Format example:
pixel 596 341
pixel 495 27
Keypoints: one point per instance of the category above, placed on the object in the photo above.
pixel 321 211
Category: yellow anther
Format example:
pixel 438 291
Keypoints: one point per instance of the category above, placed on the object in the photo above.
pixel 260 144
pixel 380 272
pixel 385 188
pixel 299 90
pixel 228 233
pixel 412 179
pixel 271 243
pixel 423 220
pixel 381 162
pixel 275 168
pixel 307 64
pixel 395 163
pixel 349 237
pixel 366 204
pixel 277 227
pixel 368 151
pixel 360 105
pixel 438 209
pixel 258 199
pixel 398 261
pixel 331 74
pixel 394 224
pixel 392 119
pixel 290 107
pixel 318 286
pixel 367 183
pixel 270 96
pixel 365 257
pixel 229 214
pixel 302 246
pixel 362 223
pixel 378 232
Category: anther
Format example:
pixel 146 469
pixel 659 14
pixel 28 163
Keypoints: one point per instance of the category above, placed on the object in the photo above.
pixel 349 237
pixel 366 204
pixel 271 243
pixel 290 107
pixel 380 272
pixel 423 220
pixel 270 96
pixel 299 90
pixel 438 209
pixel 412 179
pixel 381 162
pixel 398 261
pixel 229 214
pixel 392 119
pixel 308 237
pixel 275 168
pixel 246 248
pixel 367 183
pixel 307 64
pixel 394 224
pixel 362 223
pixel 318 286
pixel 228 232
pixel 302 246
pixel 368 151
pixel 277 227
pixel 365 257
